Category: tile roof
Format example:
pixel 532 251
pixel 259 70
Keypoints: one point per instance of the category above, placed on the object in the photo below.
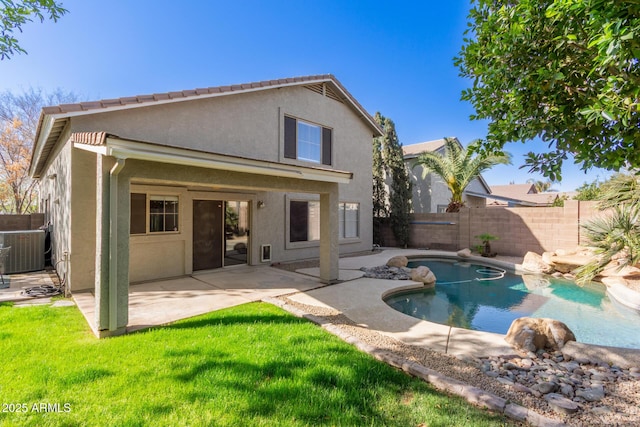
pixel 58 115
pixel 194 93
pixel 415 149
pixel 89 138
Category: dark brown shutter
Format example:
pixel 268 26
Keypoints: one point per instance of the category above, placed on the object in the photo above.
pixel 298 221
pixel 290 138
pixel 326 146
pixel 138 220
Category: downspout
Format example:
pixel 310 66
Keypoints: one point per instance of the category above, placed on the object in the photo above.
pixel 113 243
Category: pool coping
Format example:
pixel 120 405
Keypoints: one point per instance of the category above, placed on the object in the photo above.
pixel 369 309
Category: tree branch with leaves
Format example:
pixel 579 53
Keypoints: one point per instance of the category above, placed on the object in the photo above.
pixel 14 14
pixel 566 72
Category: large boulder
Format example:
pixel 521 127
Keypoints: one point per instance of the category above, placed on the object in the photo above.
pixel 398 261
pixel 464 253
pixel 568 263
pixel 534 263
pixel 425 275
pixel 531 334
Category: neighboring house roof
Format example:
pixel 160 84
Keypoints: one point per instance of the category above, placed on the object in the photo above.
pixel 521 195
pixel 54 119
pixel 412 151
pixel 514 190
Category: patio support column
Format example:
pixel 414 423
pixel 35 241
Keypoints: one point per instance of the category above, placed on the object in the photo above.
pixel 329 224
pixel 112 247
pixel 104 164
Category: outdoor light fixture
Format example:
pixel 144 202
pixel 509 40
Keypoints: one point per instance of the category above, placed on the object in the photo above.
pixel 261 204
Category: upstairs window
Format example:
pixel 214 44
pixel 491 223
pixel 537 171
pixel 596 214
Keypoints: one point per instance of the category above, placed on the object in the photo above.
pixel 307 141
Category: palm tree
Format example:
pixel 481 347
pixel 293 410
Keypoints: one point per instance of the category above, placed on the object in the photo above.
pixel 541 186
pixel 616 234
pixel 458 167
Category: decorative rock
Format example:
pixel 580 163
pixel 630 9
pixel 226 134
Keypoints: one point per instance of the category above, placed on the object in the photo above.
pixel 531 334
pixel 546 257
pixel 567 390
pixel 510 366
pixel 464 253
pixel 398 261
pixel 423 274
pixel 545 387
pixel 561 404
pixel 534 263
pixel 593 394
pixel 505 381
pixel 385 272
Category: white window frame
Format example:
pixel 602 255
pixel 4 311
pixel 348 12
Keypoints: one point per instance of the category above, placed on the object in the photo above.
pixel 312 145
pixel 342 214
pixel 157 196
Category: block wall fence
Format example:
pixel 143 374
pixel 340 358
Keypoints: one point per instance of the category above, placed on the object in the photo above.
pixel 10 222
pixel 519 229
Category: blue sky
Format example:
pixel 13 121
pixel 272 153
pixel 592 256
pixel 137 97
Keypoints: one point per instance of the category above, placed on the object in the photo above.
pixel 396 58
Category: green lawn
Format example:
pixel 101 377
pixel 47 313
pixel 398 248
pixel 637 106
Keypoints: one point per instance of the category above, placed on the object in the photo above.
pixel 249 365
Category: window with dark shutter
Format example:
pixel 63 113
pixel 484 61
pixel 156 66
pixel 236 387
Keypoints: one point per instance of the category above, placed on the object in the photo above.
pixel 290 138
pixel 138 223
pixel 326 146
pixel 298 221
pixel 307 142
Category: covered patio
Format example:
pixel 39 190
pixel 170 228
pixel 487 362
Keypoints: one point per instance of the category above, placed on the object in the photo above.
pixel 164 301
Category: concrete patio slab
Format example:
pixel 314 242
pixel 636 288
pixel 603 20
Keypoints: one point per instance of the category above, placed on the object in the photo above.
pixel 343 275
pixel 165 301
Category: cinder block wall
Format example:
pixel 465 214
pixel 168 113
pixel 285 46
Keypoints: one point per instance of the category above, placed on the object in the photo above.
pixel 519 230
pixel 21 222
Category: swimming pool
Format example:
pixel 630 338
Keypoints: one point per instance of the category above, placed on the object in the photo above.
pixel 484 298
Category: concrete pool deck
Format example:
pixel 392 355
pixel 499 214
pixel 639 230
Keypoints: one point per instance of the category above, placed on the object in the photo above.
pixel 362 301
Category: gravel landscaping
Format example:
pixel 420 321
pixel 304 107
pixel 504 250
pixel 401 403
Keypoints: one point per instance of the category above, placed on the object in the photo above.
pixel 618 406
pixel 574 392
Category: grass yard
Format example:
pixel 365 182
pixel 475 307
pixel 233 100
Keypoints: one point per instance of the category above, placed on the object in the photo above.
pixel 249 365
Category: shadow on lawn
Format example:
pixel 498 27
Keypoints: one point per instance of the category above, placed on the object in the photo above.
pixel 202 322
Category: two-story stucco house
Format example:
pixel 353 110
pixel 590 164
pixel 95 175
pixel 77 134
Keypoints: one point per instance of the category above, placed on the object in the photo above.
pixel 158 186
pixel 430 194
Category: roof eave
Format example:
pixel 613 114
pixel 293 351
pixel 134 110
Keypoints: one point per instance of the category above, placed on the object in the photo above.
pixel 127 149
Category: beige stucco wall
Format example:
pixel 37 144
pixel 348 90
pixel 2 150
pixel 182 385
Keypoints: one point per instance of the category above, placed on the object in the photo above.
pixel 247 125
pixel 68 182
pixel 55 186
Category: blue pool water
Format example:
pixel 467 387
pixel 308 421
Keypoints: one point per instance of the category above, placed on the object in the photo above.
pixel 488 299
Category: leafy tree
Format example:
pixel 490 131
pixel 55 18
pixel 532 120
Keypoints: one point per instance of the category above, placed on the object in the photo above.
pixel 458 167
pixel 615 235
pixel 17 191
pixel 380 209
pixel 400 189
pixel 564 71
pixel 588 191
pixel 14 14
pixel 19 116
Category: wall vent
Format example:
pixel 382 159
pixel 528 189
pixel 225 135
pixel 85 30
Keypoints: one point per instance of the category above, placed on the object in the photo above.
pixel 325 90
pixel 26 253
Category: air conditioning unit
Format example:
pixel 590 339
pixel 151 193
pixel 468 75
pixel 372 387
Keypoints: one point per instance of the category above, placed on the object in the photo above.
pixel 26 251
